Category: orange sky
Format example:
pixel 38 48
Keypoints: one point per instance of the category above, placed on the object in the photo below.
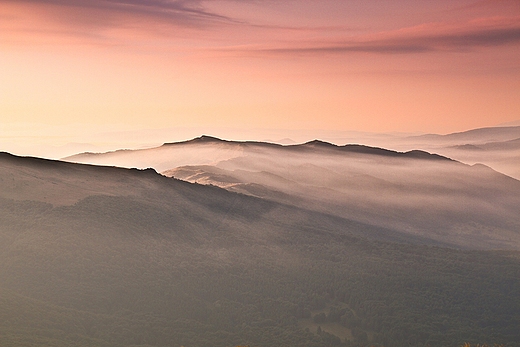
pixel 429 66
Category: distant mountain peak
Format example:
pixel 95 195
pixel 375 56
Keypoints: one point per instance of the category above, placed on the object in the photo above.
pixel 209 138
pixel 363 149
pixel 200 139
pixel 419 154
pixel 319 143
pixel 206 139
pixel 479 135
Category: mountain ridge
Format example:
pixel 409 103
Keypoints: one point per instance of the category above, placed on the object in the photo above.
pixel 313 144
pixel 367 184
pixel 508 132
pixel 126 257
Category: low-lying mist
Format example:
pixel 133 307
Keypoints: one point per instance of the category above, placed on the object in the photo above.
pixel 414 192
pixel 105 256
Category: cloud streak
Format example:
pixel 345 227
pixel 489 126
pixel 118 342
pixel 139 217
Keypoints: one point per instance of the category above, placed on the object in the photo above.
pixel 425 38
pixel 176 12
pixel 106 19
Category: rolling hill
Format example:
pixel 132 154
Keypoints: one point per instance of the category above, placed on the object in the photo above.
pixel 474 136
pixel 415 192
pixel 103 256
pixel 497 147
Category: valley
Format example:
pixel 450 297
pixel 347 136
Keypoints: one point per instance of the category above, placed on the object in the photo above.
pixel 106 256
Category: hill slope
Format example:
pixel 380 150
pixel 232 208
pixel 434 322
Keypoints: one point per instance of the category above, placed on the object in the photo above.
pixel 418 193
pixel 497 147
pixel 96 256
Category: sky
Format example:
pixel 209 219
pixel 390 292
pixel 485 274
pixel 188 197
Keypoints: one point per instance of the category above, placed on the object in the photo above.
pixel 80 67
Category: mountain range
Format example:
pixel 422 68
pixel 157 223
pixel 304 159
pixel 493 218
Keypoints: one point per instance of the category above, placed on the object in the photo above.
pixel 209 242
pixel 496 147
pixel 415 192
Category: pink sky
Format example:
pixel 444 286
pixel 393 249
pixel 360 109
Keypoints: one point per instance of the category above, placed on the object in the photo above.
pixel 429 66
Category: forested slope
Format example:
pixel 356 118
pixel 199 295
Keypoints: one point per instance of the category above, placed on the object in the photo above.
pixel 131 258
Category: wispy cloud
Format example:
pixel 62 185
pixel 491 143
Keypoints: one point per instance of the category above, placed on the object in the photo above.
pixel 486 32
pixel 102 21
pixel 176 12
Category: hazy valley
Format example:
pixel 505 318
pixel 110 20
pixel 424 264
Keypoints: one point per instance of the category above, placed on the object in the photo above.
pixel 251 243
pixel 222 173
pixel 415 192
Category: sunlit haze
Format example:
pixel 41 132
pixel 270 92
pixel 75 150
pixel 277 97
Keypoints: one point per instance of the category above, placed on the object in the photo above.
pixel 311 173
pixel 73 70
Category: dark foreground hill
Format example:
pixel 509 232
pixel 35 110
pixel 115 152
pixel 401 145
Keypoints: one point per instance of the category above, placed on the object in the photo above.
pixel 99 256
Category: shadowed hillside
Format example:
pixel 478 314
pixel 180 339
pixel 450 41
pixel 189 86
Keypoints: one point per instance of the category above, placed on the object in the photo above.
pixel 100 256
